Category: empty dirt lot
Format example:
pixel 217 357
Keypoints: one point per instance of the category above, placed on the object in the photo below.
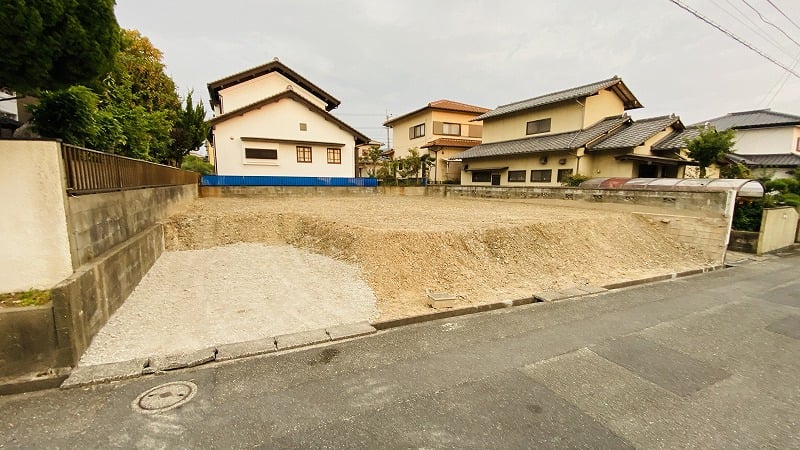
pixel 482 250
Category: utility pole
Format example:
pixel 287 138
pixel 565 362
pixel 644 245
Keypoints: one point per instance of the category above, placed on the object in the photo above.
pixel 388 147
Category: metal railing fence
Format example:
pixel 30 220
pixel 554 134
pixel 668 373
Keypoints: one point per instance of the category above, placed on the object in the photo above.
pixel 89 171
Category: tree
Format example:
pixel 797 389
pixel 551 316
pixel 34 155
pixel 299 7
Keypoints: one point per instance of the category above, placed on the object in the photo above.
pixel 68 114
pixel 372 159
pixel 189 132
pixel 142 63
pixel 196 164
pixel 735 170
pixel 710 146
pixel 52 44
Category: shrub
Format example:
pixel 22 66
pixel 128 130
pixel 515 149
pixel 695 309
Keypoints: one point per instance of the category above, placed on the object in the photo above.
pixel 196 164
pixel 574 180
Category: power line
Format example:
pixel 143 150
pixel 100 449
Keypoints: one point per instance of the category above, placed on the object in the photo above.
pixel 768 22
pixel 735 37
pixel 752 25
pixel 784 14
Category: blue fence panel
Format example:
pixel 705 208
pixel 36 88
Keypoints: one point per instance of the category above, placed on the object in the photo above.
pixel 248 180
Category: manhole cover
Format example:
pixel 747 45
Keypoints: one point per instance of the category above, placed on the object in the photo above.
pixel 165 397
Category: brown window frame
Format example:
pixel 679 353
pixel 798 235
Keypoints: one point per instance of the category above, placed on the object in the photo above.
pixel 549 173
pixel 269 154
pixel 302 152
pixel 538 126
pixel 337 155
pixel 451 124
pixel 417 131
pixel 516 178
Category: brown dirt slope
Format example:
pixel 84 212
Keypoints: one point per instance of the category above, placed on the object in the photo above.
pixel 481 250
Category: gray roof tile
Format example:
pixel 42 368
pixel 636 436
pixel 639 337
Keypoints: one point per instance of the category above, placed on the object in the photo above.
pixel 753 119
pixel 677 139
pixel 636 133
pixel 570 140
pixel 771 160
pixel 568 94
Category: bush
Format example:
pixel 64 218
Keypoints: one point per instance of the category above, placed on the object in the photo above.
pixel 747 216
pixel 196 164
pixel 574 180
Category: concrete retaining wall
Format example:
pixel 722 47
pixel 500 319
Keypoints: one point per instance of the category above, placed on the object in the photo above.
pixel 743 241
pixel 98 222
pixel 284 191
pixel 28 341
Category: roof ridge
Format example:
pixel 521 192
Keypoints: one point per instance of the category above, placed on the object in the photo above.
pixel 431 104
pixel 651 119
pixel 614 78
pixel 739 113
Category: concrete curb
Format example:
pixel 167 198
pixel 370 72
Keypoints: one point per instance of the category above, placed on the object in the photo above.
pixel 89 375
pixel 104 373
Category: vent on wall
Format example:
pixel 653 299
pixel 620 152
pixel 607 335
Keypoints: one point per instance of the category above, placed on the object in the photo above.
pixel 543 160
pixel 562 161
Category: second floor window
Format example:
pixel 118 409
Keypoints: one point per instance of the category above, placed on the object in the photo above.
pixel 304 154
pixel 451 129
pixel 538 126
pixel 416 131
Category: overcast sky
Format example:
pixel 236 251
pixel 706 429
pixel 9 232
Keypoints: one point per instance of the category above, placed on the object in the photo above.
pixel 377 56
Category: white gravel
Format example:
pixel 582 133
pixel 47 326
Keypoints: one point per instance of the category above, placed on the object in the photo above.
pixel 191 300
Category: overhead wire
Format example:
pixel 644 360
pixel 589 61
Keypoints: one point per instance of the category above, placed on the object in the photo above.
pixel 763 19
pixel 735 37
pixel 752 26
pixel 784 14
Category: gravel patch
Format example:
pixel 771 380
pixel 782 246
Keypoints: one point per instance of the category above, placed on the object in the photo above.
pixel 197 299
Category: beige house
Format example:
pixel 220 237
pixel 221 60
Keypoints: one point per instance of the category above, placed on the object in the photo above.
pixel 442 128
pixel 583 130
pixel 269 120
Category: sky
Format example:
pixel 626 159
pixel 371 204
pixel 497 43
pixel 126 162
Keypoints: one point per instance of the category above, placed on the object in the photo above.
pixel 380 57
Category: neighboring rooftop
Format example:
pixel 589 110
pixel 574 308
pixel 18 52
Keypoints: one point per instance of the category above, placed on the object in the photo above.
pixel 615 84
pixel 570 140
pixel 677 139
pixel 273 66
pixel 771 160
pixel 360 138
pixel 441 105
pixel 451 142
pixel 634 134
pixel 752 119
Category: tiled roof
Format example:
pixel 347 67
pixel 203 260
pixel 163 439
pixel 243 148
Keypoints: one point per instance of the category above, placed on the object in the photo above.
pixel 570 140
pixel 446 105
pixel 450 142
pixel 677 139
pixel 771 160
pixel 273 66
pixel 614 83
pixel 636 133
pixel 360 138
pixel 753 119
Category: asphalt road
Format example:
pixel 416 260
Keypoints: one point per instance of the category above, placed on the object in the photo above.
pixel 711 361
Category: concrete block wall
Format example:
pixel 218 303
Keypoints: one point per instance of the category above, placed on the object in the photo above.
pixel 98 222
pixel 84 302
pixel 778 229
pixel 707 234
pixel 285 191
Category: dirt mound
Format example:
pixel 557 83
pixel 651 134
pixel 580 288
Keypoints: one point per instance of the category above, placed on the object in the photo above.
pixel 530 248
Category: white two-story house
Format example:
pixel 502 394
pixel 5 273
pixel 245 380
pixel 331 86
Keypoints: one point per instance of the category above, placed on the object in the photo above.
pixel 269 120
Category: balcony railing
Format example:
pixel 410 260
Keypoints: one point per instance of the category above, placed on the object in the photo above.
pixel 90 171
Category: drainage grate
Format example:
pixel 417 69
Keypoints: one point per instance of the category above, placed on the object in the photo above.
pixel 165 397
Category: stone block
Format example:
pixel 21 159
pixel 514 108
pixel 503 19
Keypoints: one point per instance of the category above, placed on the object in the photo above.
pixel 592 289
pixel 439 300
pixel 350 330
pixel 303 338
pixel 103 373
pixel 244 349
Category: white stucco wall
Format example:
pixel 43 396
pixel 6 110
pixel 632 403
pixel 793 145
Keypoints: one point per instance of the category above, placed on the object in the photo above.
pixel 281 121
pixel 251 91
pixel 764 141
pixel 35 244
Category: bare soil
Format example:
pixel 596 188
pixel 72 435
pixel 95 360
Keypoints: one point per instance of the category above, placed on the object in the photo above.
pixel 482 250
